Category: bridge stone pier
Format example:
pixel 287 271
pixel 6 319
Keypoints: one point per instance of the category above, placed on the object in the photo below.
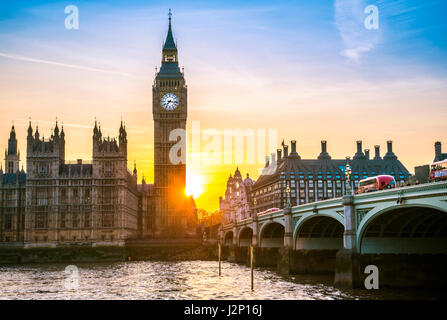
pixel 402 231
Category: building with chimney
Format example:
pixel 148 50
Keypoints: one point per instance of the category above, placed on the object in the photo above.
pixel 310 180
pixel 439 156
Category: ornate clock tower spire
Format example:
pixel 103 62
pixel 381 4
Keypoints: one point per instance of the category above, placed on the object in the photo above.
pixel 169 109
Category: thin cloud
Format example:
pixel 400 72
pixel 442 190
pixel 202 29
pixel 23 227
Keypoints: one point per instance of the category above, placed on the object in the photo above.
pixel 349 19
pixel 64 65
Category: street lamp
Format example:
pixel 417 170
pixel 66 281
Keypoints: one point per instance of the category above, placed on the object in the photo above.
pixel 348 173
pixel 288 195
pixel 254 206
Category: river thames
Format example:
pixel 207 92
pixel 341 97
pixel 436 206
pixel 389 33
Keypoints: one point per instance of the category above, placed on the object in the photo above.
pixel 176 280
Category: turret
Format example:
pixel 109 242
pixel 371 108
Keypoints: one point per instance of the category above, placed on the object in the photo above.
pixel 135 169
pixel 123 138
pixel 52 149
pixel 12 156
pixel 56 130
pixel 12 142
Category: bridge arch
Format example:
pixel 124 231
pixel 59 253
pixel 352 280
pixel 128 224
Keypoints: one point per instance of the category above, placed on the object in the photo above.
pixel 228 238
pixel 414 228
pixel 245 236
pixel 319 232
pixel 271 235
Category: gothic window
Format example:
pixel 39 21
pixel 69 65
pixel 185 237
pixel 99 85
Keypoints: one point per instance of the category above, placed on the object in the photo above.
pixel 10 167
pixel 8 222
pixel 108 168
pixel 107 220
pixel 10 199
pixel 87 196
pixel 75 195
pixel 43 168
pixel 41 220
pixel 42 198
pixel 62 222
pixel 75 220
pixel 63 199
pixel 87 220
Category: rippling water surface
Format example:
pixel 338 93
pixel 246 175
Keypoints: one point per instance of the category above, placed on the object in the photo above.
pixel 175 280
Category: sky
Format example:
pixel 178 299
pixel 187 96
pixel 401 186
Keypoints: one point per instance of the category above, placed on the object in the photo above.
pixel 310 70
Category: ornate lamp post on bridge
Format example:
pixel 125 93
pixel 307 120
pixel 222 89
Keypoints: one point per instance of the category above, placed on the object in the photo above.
pixel 288 205
pixel 254 239
pixel 348 173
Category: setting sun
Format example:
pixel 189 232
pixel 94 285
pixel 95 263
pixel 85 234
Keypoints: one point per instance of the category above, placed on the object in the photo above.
pixel 194 185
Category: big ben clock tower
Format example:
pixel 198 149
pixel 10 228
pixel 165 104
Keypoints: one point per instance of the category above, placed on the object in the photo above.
pixel 169 109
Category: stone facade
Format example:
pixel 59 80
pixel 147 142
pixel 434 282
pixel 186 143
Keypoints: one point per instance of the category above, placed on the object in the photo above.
pixel 174 213
pixel 57 202
pixel 235 206
pixel 308 180
pixel 100 203
pixel 311 180
pixel 12 195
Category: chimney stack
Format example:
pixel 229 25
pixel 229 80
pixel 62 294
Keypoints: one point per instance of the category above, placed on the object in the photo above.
pixel 286 151
pixel 278 154
pixel 367 154
pixel 389 155
pixel 323 146
pixel 359 146
pixel 377 152
pixel 324 154
pixel 438 151
pixel 389 145
pixel 359 155
pixel 267 160
pixel 294 154
pixel 293 143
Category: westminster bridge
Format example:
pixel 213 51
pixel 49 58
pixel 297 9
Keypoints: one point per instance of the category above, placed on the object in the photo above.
pixel 402 231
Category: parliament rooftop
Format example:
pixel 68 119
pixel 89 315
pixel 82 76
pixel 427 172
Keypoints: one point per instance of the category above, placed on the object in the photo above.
pixel 311 180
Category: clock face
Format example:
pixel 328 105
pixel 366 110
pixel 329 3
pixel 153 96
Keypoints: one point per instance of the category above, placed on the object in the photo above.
pixel 169 101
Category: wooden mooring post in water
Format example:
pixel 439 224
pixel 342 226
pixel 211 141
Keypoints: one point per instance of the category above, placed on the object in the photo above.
pixel 219 253
pixel 251 267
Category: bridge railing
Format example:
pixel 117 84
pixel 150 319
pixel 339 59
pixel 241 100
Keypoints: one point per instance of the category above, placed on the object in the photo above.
pixel 415 190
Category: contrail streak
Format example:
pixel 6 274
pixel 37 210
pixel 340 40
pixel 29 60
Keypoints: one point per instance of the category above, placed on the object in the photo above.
pixel 65 65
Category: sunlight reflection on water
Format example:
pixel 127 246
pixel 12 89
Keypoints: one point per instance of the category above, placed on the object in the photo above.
pixel 173 280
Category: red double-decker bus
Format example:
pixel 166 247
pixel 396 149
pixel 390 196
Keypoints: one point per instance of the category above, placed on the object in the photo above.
pixel 376 183
pixel 438 171
pixel 268 211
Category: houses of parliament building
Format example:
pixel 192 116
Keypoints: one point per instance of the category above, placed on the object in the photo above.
pixel 99 202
